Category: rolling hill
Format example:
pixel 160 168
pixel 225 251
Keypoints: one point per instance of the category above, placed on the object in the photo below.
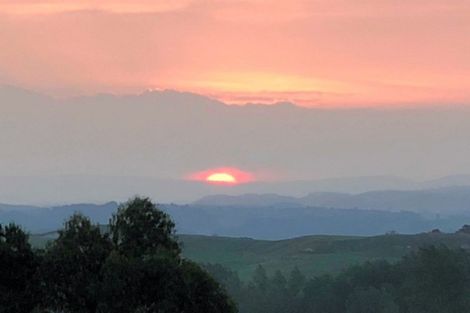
pixel 274 217
pixel 313 255
pixel 444 200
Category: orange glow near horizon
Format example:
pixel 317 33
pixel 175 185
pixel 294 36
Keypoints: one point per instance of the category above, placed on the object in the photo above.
pixel 325 53
pixel 222 176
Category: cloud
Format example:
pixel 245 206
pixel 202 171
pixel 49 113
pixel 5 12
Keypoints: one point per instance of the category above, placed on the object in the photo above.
pixel 331 52
pixel 32 7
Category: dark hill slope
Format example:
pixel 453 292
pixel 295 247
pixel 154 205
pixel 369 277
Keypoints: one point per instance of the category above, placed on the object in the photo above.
pixel 312 254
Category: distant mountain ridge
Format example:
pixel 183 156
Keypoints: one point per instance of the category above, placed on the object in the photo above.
pixel 271 216
pixel 445 200
pixel 56 190
pixel 46 219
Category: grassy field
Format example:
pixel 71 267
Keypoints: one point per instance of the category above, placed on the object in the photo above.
pixel 313 255
pixel 243 255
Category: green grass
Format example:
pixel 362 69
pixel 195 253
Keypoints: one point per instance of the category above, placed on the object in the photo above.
pixel 313 255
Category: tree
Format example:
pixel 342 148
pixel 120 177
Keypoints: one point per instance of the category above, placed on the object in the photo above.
pixel 279 300
pixel 464 230
pixel 227 278
pixel 296 282
pixel 375 274
pixel 18 266
pixel 84 271
pixel 324 294
pixel 145 272
pixel 72 266
pixel 203 293
pixel 140 228
pixel 278 282
pixel 436 280
pixel 151 284
pixel 260 278
pixel 371 300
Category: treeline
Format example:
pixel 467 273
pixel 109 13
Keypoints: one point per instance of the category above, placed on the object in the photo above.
pixel 135 266
pixel 431 280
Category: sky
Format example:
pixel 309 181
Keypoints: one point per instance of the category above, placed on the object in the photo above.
pixel 322 53
pixel 178 147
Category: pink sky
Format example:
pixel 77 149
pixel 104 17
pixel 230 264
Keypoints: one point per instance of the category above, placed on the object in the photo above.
pixel 317 52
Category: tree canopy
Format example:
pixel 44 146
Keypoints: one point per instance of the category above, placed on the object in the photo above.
pixel 18 267
pixel 433 279
pixel 134 267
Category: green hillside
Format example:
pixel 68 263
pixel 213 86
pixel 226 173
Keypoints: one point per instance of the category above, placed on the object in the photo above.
pixel 311 254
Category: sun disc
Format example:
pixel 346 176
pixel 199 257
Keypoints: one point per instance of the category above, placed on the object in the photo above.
pixel 224 176
pixel 221 178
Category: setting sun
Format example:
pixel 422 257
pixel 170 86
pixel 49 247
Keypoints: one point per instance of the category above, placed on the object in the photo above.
pixel 221 178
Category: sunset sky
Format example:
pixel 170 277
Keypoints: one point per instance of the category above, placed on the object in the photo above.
pixel 317 53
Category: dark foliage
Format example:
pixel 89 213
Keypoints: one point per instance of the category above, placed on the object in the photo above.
pixel 19 290
pixel 139 228
pixel 137 269
pixel 71 271
pixel 432 280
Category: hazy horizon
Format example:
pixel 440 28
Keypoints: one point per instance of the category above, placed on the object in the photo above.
pixel 164 137
pixel 203 93
pixel 235 156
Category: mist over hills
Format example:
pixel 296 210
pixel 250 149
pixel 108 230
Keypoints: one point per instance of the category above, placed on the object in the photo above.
pixel 46 219
pixel 96 148
pixel 271 216
pixel 105 147
pixel 447 200
pixel 59 190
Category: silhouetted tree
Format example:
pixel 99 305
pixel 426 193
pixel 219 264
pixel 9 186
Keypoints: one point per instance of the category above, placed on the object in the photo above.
pixel 435 280
pixel 140 228
pixel 145 273
pixel 71 271
pixel 371 300
pixel 18 285
pixel 260 278
pixel 465 229
pixel 324 294
pixel 84 271
pixel 228 278
pixel 203 293
pixel 296 282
